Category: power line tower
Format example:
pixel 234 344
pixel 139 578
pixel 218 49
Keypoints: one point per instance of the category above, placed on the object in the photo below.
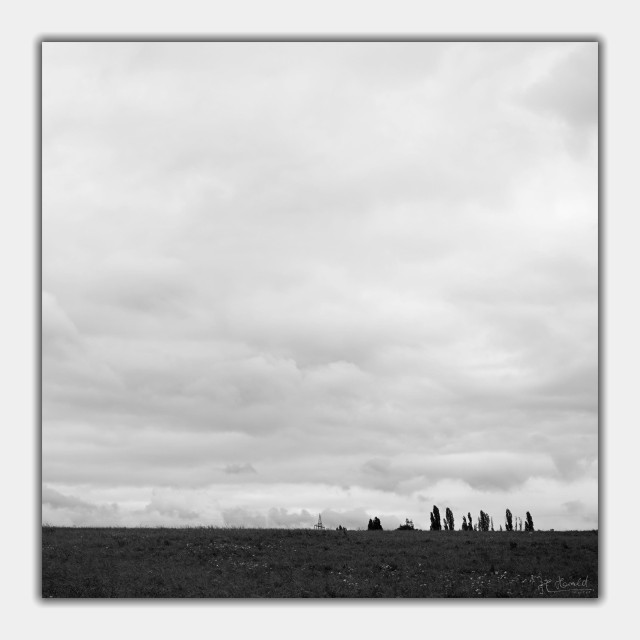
pixel 319 526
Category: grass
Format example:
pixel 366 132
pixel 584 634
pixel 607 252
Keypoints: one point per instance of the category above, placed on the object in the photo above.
pixel 281 563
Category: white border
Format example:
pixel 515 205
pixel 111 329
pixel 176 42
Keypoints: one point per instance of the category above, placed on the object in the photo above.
pixel 25 23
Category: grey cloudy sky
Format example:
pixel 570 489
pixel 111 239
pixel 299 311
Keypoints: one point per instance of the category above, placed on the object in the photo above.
pixel 289 278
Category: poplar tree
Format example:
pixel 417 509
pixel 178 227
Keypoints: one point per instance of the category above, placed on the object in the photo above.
pixel 509 524
pixel 528 525
pixel 449 519
pixel 436 525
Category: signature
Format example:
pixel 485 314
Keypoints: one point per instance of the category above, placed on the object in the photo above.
pixel 561 585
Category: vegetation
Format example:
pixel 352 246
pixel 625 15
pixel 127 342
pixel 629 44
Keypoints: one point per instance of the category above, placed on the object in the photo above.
pixel 281 563
pixel 436 525
pixel 509 521
pixel 448 517
pixel 374 525
pixel 528 524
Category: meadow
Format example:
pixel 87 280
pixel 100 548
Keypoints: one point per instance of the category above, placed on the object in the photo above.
pixel 281 563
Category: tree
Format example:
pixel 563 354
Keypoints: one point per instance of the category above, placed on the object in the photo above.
pixel 509 524
pixel 407 526
pixel 436 525
pixel 374 525
pixel 492 529
pixel 464 523
pixel 483 522
pixel 448 518
pixel 470 522
pixel 528 525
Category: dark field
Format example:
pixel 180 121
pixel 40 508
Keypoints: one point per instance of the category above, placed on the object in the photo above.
pixel 279 563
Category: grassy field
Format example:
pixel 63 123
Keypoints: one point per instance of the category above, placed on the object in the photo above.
pixel 279 563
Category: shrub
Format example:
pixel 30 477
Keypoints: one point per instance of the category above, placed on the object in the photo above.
pixel 407 526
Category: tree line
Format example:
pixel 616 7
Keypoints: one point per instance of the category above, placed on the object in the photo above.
pixel 484 522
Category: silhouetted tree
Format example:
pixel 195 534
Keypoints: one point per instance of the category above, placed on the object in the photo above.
pixel 464 523
pixel 448 518
pixel 407 526
pixel 528 525
pixel 436 525
pixel 483 522
pixel 374 525
pixel 492 529
pixel 509 523
pixel 469 522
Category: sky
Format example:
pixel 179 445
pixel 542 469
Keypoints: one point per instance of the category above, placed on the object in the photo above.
pixel 288 279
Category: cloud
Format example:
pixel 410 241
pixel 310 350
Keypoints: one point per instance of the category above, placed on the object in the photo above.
pixel 64 509
pixel 239 517
pixel 239 468
pixel 581 513
pixel 569 89
pixel 58 500
pixel 367 270
pixel 283 518
pixel 166 505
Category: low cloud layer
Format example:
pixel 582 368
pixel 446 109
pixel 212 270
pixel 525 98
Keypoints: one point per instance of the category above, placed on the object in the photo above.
pixel 290 279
